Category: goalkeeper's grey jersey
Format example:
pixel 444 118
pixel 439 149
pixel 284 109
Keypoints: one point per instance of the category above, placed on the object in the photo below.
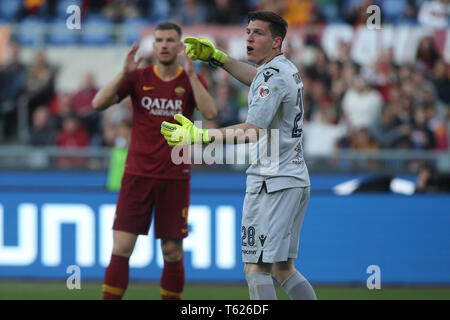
pixel 276 104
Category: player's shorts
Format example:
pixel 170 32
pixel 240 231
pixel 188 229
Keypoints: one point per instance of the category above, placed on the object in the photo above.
pixel 271 224
pixel 139 195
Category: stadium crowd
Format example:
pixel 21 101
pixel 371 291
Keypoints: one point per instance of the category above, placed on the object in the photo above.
pixel 347 106
pixel 193 12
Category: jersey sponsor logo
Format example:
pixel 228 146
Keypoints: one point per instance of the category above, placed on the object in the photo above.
pixel 299 156
pixel 267 75
pixel 262 239
pixel 162 106
pixel 145 88
pixel 263 91
pixel 297 78
pixel 180 90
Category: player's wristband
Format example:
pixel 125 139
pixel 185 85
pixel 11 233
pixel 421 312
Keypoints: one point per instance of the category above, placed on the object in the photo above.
pixel 218 59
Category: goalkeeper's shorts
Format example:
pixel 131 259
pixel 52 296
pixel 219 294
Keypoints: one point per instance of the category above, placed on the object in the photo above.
pixel 140 195
pixel 271 224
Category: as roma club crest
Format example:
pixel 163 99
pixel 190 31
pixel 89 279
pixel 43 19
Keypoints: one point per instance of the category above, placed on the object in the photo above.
pixel 180 91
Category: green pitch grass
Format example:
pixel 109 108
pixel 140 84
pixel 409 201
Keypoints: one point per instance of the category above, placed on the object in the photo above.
pixel 26 290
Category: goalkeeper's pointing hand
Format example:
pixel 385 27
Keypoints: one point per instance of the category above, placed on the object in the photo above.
pixel 185 134
pixel 204 50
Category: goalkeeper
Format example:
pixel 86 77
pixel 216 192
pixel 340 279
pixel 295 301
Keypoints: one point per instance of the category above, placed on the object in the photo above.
pixel 275 203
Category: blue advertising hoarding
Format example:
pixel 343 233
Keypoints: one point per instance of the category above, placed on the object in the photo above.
pixel 48 225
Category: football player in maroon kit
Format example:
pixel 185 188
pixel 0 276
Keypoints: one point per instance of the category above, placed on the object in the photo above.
pixel 158 92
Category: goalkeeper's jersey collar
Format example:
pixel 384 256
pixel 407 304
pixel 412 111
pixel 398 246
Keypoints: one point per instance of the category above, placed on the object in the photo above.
pixel 261 67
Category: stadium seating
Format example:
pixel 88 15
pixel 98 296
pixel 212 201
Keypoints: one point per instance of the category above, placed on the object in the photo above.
pixel 8 9
pixel 393 10
pixel 59 34
pixel 97 30
pixel 131 30
pixel 62 6
pixel 31 32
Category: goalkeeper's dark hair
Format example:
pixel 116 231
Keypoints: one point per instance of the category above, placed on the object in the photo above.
pixel 169 26
pixel 277 25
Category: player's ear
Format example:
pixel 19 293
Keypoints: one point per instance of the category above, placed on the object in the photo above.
pixel 277 42
pixel 181 47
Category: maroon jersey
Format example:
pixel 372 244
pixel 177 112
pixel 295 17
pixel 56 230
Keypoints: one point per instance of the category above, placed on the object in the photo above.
pixel 155 101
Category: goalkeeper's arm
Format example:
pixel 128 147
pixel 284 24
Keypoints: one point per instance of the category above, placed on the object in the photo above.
pixel 204 50
pixel 186 133
pixel 242 71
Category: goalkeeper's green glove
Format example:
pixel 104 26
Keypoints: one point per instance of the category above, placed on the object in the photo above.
pixel 204 50
pixel 185 134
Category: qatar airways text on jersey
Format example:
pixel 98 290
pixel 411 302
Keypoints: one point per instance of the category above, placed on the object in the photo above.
pixel 162 106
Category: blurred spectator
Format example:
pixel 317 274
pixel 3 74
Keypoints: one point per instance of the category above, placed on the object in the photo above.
pixel 82 104
pixel 82 99
pixel 349 73
pixel 277 6
pixel 336 84
pixel 13 78
pixel 382 74
pixel 122 139
pixel 120 10
pixel 228 110
pixel 427 54
pixel 299 12
pixel 112 117
pixel 344 51
pixel 30 8
pixel 438 127
pixel 207 73
pixel 40 82
pixel 190 12
pixel 441 80
pixel 405 109
pixel 72 133
pixel 361 105
pixel 387 130
pixel 409 14
pixel 319 97
pixel 314 27
pixel 322 133
pixel 109 135
pixel 61 106
pixel 421 136
pixel 362 140
pixel 242 102
pixel 434 14
pixel 319 70
pixel 427 179
pixel 356 13
pixel 227 12
pixel 93 7
pixel 43 130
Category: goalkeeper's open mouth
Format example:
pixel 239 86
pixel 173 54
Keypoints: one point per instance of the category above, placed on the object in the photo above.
pixel 249 49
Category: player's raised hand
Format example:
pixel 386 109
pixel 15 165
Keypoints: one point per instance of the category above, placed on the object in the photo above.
pixel 184 134
pixel 204 50
pixel 131 64
pixel 189 65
